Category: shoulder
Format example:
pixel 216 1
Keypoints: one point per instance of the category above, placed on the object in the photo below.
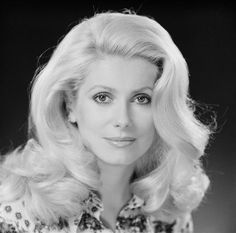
pixel 182 223
pixel 14 217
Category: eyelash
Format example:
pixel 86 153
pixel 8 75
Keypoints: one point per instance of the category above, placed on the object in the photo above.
pixel 107 95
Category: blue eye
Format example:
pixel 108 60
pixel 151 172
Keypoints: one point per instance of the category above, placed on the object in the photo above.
pixel 102 98
pixel 143 99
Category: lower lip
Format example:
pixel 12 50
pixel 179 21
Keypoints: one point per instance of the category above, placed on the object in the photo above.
pixel 120 144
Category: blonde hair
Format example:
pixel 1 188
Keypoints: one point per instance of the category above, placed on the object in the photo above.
pixel 55 172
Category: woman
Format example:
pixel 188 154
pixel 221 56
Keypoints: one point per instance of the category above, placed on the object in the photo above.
pixel 113 142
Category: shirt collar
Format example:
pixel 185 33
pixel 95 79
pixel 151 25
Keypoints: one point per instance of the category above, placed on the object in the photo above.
pixel 94 204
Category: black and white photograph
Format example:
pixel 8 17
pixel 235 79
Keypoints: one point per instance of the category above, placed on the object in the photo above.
pixel 118 117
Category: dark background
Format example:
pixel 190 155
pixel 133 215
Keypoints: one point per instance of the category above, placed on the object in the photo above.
pixel 204 32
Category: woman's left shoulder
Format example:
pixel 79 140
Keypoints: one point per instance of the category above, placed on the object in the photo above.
pixel 184 223
pixel 179 224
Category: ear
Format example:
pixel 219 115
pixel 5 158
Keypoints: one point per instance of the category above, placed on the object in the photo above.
pixel 70 104
pixel 71 117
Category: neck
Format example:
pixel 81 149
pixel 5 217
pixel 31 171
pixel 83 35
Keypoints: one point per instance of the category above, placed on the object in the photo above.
pixel 115 183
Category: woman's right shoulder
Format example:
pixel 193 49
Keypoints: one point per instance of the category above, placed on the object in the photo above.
pixel 14 217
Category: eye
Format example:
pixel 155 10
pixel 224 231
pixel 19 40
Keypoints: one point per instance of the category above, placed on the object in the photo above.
pixel 143 99
pixel 102 98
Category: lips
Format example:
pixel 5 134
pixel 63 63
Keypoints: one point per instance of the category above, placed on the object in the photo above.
pixel 120 142
pixel 120 139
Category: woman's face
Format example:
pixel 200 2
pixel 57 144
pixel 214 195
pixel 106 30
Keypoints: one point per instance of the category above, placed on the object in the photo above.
pixel 113 109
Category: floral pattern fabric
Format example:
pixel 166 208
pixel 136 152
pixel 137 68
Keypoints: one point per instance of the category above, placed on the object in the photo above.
pixel 14 219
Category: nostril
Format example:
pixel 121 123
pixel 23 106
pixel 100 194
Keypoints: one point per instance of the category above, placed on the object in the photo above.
pixel 121 124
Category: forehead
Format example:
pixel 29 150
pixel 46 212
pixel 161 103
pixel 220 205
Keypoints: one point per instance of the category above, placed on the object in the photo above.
pixel 119 72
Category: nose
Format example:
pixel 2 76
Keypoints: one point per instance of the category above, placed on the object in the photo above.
pixel 122 116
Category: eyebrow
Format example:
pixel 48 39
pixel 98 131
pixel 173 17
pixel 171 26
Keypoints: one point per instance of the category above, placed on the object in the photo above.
pixel 114 90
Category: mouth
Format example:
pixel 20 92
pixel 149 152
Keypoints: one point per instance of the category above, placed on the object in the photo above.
pixel 120 142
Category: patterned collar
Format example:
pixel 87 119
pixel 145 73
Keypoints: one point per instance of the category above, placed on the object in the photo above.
pixel 130 215
pixel 94 204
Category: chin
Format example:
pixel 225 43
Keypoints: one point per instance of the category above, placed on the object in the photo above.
pixel 120 160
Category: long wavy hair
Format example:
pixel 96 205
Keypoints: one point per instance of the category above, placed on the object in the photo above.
pixel 54 171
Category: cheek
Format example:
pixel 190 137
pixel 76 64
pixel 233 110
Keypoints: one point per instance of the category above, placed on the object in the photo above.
pixel 144 122
pixel 90 118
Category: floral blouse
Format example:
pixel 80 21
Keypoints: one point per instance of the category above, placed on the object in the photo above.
pixel 14 219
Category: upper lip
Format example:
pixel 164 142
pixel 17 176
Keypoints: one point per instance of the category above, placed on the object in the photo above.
pixel 120 138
